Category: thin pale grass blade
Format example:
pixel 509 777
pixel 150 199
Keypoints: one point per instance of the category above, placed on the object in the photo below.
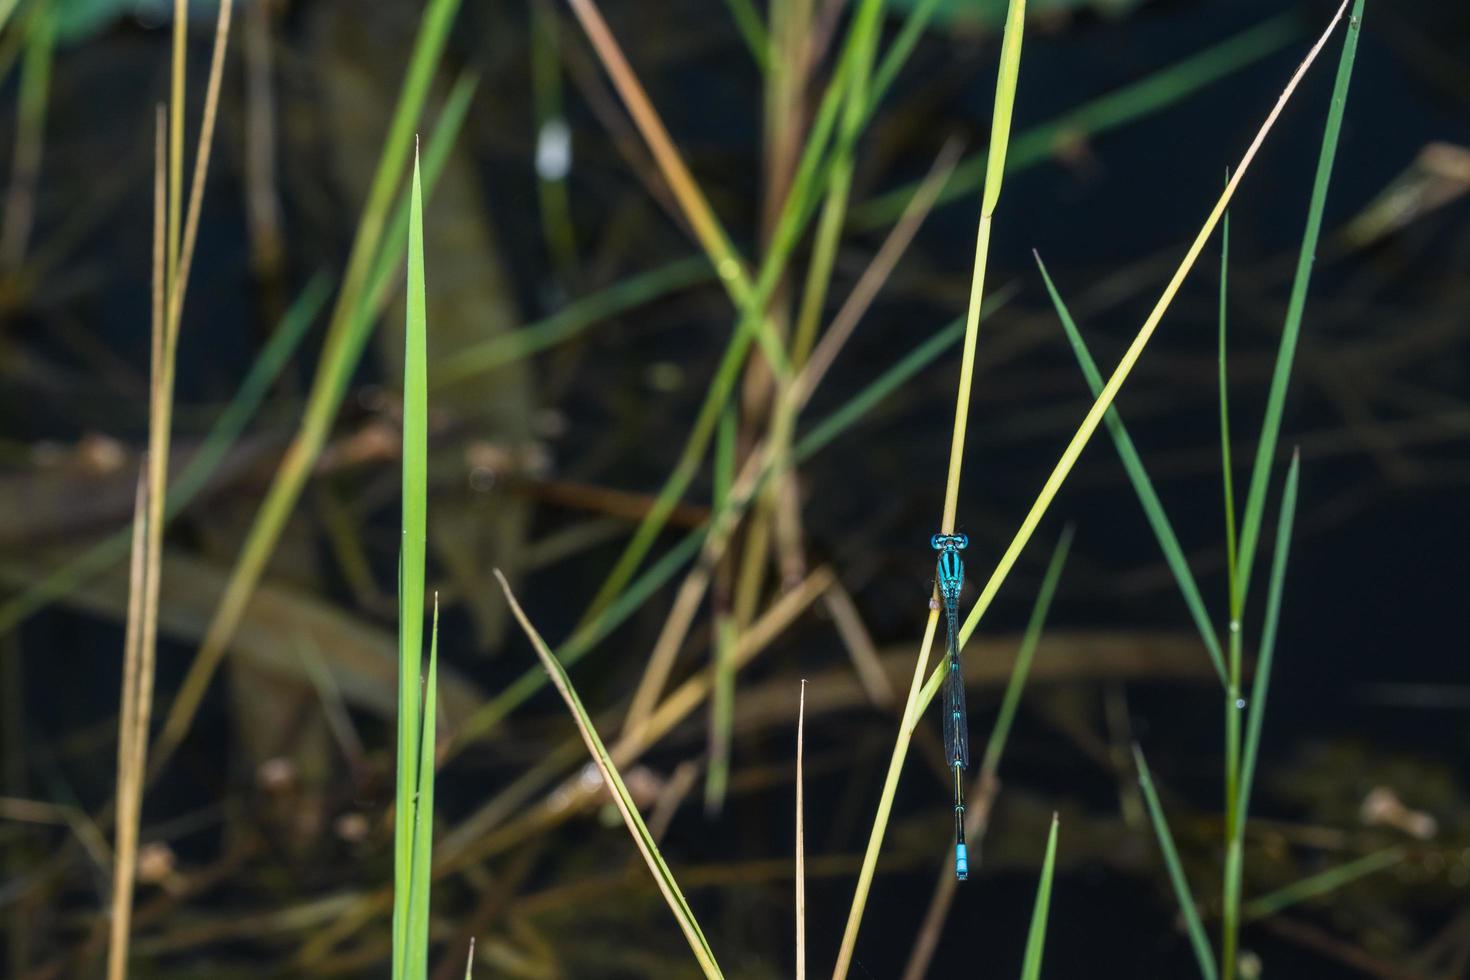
pixel 339 358
pixel 1153 507
pixel 1321 884
pixel 1130 357
pixel 995 747
pixel 144 579
pixel 1036 937
pixel 174 212
pixel 469 965
pixel 407 958
pixel 667 885
pixel 800 837
pixel 129 779
pixel 222 435
pixel 179 283
pixel 1166 87
pixel 1255 502
pixel 1196 930
pixel 1261 683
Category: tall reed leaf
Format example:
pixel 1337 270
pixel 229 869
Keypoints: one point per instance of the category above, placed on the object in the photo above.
pixel 414 809
pixel 1291 330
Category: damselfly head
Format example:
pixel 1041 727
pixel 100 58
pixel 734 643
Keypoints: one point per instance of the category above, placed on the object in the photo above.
pixel 950 542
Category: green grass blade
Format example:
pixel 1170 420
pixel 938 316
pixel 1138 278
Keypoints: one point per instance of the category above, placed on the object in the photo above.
pixel 385 269
pixel 1196 930
pixel 1261 684
pixel 662 876
pixel 1012 699
pixel 1286 352
pixel 1153 507
pixel 222 435
pixel 1322 884
pixel 1227 468
pixel 411 593
pixel 1036 938
pixel 635 291
pixel 752 30
pixel 423 816
pixel 1038 144
pixel 899 51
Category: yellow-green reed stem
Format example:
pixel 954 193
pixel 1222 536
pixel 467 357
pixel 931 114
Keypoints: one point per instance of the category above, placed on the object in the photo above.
pixel 1000 134
pixel 1005 93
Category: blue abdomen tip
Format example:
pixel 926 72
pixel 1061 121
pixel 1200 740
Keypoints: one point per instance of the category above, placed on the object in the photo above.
pixel 961 862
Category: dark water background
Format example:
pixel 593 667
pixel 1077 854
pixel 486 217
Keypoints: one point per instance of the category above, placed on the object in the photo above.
pixel 1376 588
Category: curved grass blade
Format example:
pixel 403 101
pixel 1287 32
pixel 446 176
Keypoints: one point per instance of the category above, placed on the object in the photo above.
pixel 662 876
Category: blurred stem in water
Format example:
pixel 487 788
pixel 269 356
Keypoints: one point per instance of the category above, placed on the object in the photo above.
pixel 25 161
pixel 554 150
pixel 346 335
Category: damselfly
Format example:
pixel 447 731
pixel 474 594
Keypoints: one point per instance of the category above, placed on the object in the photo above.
pixel 950 577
